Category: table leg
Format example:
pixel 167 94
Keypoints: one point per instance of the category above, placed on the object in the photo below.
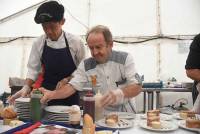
pixel 144 103
pixel 157 99
pixel 150 100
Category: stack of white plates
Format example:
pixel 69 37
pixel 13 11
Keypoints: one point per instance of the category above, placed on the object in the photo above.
pixel 22 106
pixel 57 114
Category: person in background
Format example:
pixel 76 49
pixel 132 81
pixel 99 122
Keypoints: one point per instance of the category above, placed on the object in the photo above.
pixel 57 51
pixel 193 67
pixel 114 70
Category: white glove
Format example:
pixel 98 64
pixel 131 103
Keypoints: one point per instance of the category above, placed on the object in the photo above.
pixel 119 96
pixel 113 97
pixel 21 93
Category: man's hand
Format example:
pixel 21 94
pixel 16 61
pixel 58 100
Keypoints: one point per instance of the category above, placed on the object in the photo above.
pixel 113 97
pixel 21 93
pixel 63 82
pixel 47 95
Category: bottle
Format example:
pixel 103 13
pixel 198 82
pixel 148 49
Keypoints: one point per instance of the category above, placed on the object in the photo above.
pixel 36 108
pixel 1 106
pixel 98 107
pixel 89 104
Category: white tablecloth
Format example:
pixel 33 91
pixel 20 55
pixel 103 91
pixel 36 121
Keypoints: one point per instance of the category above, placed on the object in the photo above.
pixel 136 129
pixel 4 128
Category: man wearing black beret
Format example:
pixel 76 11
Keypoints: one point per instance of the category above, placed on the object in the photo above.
pixel 57 52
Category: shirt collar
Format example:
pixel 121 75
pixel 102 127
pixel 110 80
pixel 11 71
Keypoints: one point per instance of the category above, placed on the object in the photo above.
pixel 59 39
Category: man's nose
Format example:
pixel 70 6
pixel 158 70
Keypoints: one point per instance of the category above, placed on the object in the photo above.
pixel 95 51
pixel 48 30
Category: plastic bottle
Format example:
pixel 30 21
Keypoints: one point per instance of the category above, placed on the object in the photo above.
pixel 1 107
pixel 98 107
pixel 89 104
pixel 36 108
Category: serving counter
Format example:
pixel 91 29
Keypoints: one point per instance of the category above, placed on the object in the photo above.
pixel 149 94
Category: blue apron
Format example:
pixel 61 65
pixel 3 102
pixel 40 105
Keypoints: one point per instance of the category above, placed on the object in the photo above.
pixel 58 64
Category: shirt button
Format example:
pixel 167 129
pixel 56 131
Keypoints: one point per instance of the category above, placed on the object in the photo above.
pixel 107 77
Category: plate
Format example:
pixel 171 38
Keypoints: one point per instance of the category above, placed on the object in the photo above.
pixel 57 119
pixel 61 121
pixel 165 126
pixel 182 124
pixel 126 115
pixel 57 116
pixel 177 116
pixel 164 117
pixel 19 100
pixel 57 109
pixel 54 129
pixel 123 123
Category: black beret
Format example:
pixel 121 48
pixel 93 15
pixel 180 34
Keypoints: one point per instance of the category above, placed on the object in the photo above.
pixel 49 11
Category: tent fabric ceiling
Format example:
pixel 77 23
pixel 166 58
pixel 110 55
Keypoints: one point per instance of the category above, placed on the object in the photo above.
pixel 124 17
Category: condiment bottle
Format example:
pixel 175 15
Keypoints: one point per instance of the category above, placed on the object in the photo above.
pixel 36 108
pixel 89 104
pixel 98 107
pixel 1 107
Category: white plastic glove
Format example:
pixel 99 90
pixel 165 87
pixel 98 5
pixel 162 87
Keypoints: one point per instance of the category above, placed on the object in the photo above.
pixel 21 93
pixel 113 97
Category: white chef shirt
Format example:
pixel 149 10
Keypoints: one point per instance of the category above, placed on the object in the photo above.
pixel 75 45
pixel 120 68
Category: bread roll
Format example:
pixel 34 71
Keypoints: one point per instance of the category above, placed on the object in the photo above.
pixel 88 125
pixel 9 113
pixel 87 120
pixel 89 130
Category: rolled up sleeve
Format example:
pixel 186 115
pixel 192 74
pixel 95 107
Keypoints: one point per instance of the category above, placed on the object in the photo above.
pixel 79 78
pixel 130 71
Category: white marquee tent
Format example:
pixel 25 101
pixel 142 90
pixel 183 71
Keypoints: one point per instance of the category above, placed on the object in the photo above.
pixel 156 32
